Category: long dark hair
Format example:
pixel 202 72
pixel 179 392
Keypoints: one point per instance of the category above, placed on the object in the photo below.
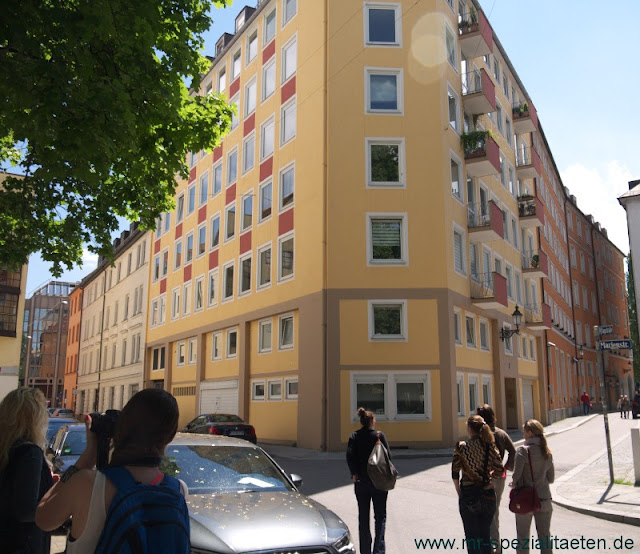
pixel 146 425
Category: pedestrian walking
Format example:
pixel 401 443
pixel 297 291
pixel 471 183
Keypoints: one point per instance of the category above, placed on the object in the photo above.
pixel 619 406
pixel 361 443
pixel 475 464
pixel 146 425
pixel 586 403
pixel 625 406
pixel 534 458
pixel 25 475
pixel 504 444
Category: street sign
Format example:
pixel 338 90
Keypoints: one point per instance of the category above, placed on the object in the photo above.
pixel 605 330
pixel 615 345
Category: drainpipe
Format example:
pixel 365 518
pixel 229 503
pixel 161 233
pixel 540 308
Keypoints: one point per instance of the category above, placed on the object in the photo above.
pixel 325 279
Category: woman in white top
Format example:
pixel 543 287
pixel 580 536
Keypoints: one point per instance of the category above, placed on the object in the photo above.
pixel 146 425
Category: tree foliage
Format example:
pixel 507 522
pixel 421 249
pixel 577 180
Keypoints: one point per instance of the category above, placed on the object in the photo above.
pixel 96 110
pixel 633 320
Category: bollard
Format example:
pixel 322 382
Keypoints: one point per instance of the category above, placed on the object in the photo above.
pixel 635 448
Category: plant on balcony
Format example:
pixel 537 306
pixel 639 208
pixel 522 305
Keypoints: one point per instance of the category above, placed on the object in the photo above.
pixel 474 142
pixel 469 22
pixel 535 261
pixel 522 110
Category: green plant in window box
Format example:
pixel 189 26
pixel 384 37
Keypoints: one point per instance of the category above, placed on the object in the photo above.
pixel 535 261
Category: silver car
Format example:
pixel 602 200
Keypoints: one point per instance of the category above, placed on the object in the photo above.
pixel 241 501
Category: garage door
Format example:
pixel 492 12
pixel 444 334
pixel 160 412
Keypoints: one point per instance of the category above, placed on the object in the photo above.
pixel 220 397
pixel 527 400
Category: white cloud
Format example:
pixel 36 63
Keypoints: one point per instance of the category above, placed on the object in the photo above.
pixel 597 191
pixel 89 260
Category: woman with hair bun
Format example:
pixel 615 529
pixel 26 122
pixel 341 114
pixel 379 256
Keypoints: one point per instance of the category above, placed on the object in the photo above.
pixel 478 460
pixel 361 443
pixel 25 475
pixel 535 456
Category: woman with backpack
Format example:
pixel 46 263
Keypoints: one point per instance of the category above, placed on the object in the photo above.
pixel 25 475
pixel 534 468
pixel 104 504
pixel 475 462
pixel 361 443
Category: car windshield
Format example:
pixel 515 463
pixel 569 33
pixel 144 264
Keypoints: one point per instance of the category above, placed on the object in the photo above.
pixel 54 425
pixel 222 418
pixel 74 443
pixel 223 469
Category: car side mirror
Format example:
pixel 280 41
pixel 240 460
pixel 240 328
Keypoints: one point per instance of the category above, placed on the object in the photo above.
pixel 297 480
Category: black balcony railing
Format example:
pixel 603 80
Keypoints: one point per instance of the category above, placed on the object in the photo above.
pixel 527 206
pixel 530 259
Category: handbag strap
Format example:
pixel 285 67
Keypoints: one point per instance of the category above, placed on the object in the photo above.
pixel 530 466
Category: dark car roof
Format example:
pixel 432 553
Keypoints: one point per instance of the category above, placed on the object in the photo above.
pixel 213 440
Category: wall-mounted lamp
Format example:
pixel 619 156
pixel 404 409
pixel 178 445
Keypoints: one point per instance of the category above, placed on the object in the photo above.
pixel 517 320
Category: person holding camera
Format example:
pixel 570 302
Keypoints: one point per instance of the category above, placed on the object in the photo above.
pixel 25 475
pixel 94 500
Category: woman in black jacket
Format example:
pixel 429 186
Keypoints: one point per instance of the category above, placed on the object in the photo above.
pixel 25 475
pixel 361 443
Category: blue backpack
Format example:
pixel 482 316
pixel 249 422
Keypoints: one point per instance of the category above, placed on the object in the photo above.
pixel 144 519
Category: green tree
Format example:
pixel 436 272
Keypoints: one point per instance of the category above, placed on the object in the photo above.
pixel 97 110
pixel 633 320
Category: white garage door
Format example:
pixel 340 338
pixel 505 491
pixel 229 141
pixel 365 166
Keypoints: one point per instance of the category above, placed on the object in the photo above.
pixel 219 397
pixel 527 400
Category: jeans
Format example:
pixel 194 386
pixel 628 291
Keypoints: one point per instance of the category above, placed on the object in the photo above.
pixel 585 409
pixel 477 507
pixel 498 486
pixel 365 494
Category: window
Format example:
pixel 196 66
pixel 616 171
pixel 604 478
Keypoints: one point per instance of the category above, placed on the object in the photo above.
pixel 508 346
pixel 291 389
pixel 257 390
pixel 460 390
pixel 188 255
pixel 154 313
pixel 274 387
pixel 268 79
pixel 454 109
pixel 473 393
pixel 459 262
pixel 288 122
pixel 214 230
pixel 202 240
pixel 216 185
pixel 267 139
pixel 164 268
pixel 264 337
pixel 523 348
pixel 192 351
pixel 289 8
pixel 158 358
pixel 382 24
pixel 387 238
pixel 204 189
pixel 245 274
pixel 186 298
pixel 289 55
pixel 175 303
pixel 470 327
pixel 287 186
pixel 232 167
pixel 500 118
pixel 227 286
pixel 285 325
pixel 265 201
pixel 216 342
pixel 248 153
pixel 252 47
pixel 181 349
pixel 250 93
pixel 388 320
pixel 191 199
pixel 235 101
pixel 179 209
pixel 457 327
pixel 456 180
pixel 286 255
pixel 230 222
pixel 235 65
pixel 264 266
pixel 232 343
pixel 222 80
pixel 199 291
pixel 473 262
pixel 212 295
pixel 269 27
pixel 385 162
pixel 177 254
pixel 484 335
pixel 450 43
pixel 384 91
pixel 156 268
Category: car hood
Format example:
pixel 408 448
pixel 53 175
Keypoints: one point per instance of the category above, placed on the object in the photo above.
pixel 241 522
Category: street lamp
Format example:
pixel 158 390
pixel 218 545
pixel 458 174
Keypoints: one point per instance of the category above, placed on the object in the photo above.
pixel 517 320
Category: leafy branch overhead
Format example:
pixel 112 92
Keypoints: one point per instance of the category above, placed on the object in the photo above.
pixel 98 115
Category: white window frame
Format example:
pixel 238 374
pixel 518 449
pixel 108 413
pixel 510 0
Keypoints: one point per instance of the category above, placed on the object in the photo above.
pixel 202 227
pixel 248 110
pixel 261 187
pixel 458 229
pixel 390 141
pixel 267 67
pixel 216 344
pixel 399 73
pixel 229 181
pixel 192 187
pixel 270 122
pixel 265 37
pixel 258 397
pixel 176 265
pixel 473 380
pixel 199 281
pixel 281 240
pixel 192 351
pixel 248 256
pixel 228 333
pixel 483 322
pixel 181 347
pixel 474 343
pixel 175 314
pixel 245 158
pixel 262 349
pixel 215 274
pixel 404 334
pixel 186 298
pixel 216 168
pixel 227 209
pixel 247 196
pixel 271 396
pixel 284 113
pixel 451 91
pixel 211 228
pixel 486 380
pixel 461 394
pixel 291 43
pixel 252 35
pixel 224 281
pixel 281 318
pixel 404 238
pixel 237 55
pixel 235 118
pixel 454 64
pixel 286 169
pixel 397 8
pixel 266 246
pixel 457 326
pixel 289 395
pixel 284 11
pixel 462 181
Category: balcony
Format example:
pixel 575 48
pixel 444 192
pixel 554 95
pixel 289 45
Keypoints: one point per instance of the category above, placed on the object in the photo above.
pixel 531 211
pixel 528 164
pixel 535 264
pixel 490 292
pixel 537 317
pixel 478 92
pixel 476 35
pixel 481 154
pixel 525 118
pixel 485 222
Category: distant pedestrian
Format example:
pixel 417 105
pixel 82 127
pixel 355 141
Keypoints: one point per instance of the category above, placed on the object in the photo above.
pixel 625 406
pixel 535 454
pixel 620 406
pixel 361 443
pixel 504 444
pixel 25 475
pixel 478 460
pixel 586 403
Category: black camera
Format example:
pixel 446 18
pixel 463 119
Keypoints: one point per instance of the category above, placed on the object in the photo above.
pixel 104 425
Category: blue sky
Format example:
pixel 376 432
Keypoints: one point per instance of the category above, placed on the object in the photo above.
pixel 578 62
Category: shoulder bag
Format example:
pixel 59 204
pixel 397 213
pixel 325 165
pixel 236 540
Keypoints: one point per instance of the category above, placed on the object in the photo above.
pixel 380 469
pixel 524 500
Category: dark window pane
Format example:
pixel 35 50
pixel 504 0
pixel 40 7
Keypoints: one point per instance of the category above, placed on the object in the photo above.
pixel 387 320
pixel 410 398
pixel 385 237
pixel 384 163
pixel 382 25
pixel 383 92
pixel 371 397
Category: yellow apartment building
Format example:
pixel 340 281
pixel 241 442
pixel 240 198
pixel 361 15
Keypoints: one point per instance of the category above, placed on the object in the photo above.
pixel 364 233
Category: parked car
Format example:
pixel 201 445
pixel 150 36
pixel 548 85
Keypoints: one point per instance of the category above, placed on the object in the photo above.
pixel 222 424
pixel 66 445
pixel 240 500
pixel 635 406
pixel 62 412
pixel 55 423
